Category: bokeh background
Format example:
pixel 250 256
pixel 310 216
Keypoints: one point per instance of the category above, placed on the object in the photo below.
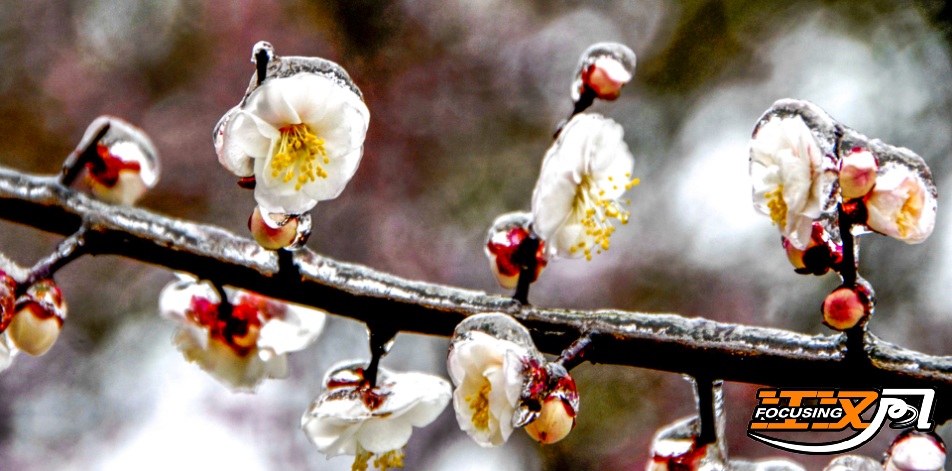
pixel 464 96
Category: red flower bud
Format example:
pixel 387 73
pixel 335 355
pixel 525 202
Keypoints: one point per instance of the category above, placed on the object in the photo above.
pixel 846 307
pixel 38 319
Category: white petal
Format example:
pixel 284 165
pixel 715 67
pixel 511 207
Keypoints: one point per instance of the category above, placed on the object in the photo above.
pixel 269 102
pixel 176 297
pixel 331 435
pixel 299 328
pixel 252 135
pixel 382 435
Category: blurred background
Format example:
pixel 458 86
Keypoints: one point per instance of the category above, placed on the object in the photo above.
pixel 464 96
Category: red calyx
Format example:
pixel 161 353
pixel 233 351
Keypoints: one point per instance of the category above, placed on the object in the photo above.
pixel 107 171
pixel 506 253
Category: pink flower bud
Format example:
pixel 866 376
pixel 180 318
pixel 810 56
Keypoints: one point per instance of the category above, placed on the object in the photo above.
pixel 604 69
pixel 274 231
pixel 916 451
pixel 39 316
pixel 554 423
pixel 505 237
pixel 8 288
pixel 845 308
pixel 858 174
pixel 128 164
pixel 606 77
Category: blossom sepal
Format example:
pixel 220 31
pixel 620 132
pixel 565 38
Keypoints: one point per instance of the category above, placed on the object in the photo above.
pixel 240 343
pixel 122 166
pixel 504 248
pixel 352 418
pixel 823 252
pixel 603 69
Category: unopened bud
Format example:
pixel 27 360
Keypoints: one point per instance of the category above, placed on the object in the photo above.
pixel 273 231
pixel 555 421
pixel 846 307
pixel 604 69
pixel 916 451
pixel 127 165
pixel 504 240
pixel 39 316
pixel 821 255
pixel 858 174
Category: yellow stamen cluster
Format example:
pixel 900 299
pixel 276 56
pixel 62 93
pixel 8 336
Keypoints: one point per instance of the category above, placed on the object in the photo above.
pixel 480 406
pixel 906 219
pixel 595 212
pixel 777 207
pixel 360 461
pixel 298 148
pixel 389 460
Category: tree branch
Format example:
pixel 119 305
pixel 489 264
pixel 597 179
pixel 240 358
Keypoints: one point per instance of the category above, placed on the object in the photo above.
pixel 665 342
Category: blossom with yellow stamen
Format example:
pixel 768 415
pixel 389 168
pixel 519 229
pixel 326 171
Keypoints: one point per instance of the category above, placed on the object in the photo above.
pixel 900 206
pixel 352 418
pixel 300 132
pixel 577 198
pixel 792 180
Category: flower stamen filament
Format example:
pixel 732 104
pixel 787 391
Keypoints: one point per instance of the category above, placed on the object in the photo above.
pixel 595 212
pixel 777 207
pixel 480 406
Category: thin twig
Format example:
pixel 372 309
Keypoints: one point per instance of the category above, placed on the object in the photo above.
pixel 574 355
pixel 665 342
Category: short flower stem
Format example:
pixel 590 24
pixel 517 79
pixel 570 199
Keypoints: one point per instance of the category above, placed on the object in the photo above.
pixel 261 65
pixel 575 354
pixel 585 100
pixel 706 411
pixel 69 249
pixel 380 336
pixel 526 257
pixel 225 307
pixel 848 269
pixel 79 158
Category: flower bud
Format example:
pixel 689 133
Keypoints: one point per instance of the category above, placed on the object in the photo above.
pixel 127 165
pixel 858 174
pixel 8 288
pixel 39 316
pixel 604 69
pixel 846 307
pixel 916 451
pixel 554 423
pixel 274 231
pixel 503 243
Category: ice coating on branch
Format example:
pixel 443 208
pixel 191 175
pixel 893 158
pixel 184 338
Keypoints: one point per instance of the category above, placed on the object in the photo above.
pixel 503 248
pixel 299 131
pixel 604 68
pixel 240 344
pixel 351 418
pixel 127 164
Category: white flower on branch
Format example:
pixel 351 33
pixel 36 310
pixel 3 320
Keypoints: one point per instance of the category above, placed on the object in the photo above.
pixel 301 136
pixel 583 177
pixel 503 382
pixel 127 164
pixel 352 418
pixel 899 206
pixel 792 178
pixel 916 451
pixel 243 343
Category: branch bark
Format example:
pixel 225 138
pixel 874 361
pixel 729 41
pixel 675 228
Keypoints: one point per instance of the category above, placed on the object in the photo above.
pixel 665 342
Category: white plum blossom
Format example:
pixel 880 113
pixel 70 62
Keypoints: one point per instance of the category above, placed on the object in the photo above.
pixel 352 418
pixel 301 136
pixel 916 451
pixel 241 345
pixel 791 181
pixel 899 206
pixel 583 177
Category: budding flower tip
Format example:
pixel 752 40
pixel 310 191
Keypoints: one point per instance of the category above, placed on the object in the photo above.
pixel 845 308
pixel 271 234
pixel 555 421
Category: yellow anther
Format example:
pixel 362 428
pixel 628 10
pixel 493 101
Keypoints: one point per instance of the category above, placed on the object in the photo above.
pixel 573 249
pixel 777 207
pixel 297 148
pixel 480 406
